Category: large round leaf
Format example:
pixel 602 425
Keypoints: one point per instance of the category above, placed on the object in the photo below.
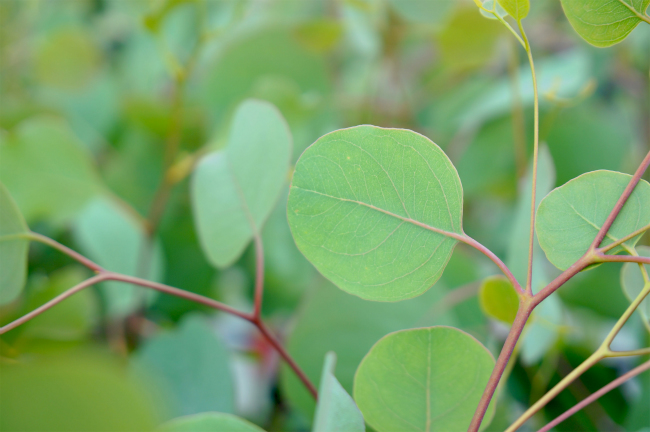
pixel 367 205
pixel 234 190
pixel 209 422
pixel 569 218
pixel 604 22
pixel 13 252
pixel 428 379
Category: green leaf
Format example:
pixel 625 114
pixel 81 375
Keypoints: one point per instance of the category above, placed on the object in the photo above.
pixel 13 253
pixel 518 9
pixel 632 281
pixel 209 422
pixel 498 298
pixel 190 366
pixel 498 9
pixel 114 239
pixel 364 206
pixel 47 170
pixel 332 320
pixel 604 23
pixel 234 190
pixel 569 218
pixel 428 379
pixel 336 411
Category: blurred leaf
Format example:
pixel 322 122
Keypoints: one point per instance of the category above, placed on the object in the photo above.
pixel 604 23
pixel 113 238
pixel 68 59
pixel 345 187
pixel 460 44
pixel 336 411
pixel 499 300
pixel 518 9
pixel 569 218
pixel 69 320
pixel 543 330
pixel 498 9
pixel 73 393
pixel 13 253
pixel 332 320
pixel 518 247
pixel 423 379
pixel 190 366
pixel 234 190
pixel 423 11
pixel 633 282
pixel 209 422
pixel 319 35
pixel 47 170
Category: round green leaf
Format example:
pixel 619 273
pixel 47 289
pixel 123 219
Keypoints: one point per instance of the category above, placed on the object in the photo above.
pixel 364 208
pixel 190 366
pixel 604 23
pixel 13 252
pixel 498 299
pixel 633 282
pixel 336 411
pixel 234 190
pixel 518 9
pixel 428 379
pixel 209 422
pixel 569 218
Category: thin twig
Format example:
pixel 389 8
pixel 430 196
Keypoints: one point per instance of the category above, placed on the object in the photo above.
pixel 259 276
pixel 617 382
pixel 622 258
pixel 624 239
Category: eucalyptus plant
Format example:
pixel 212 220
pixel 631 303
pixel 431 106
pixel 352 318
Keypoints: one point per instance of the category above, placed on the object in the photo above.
pixel 379 211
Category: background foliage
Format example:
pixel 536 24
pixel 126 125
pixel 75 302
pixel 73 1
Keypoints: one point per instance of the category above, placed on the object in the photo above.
pixel 93 92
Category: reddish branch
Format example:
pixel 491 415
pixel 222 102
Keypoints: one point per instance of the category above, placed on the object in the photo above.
pixel 105 275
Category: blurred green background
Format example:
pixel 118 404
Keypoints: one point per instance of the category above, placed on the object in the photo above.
pixel 92 92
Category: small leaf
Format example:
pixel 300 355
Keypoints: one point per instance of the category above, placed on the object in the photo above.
pixel 518 9
pixel 498 9
pixel 336 411
pixel 209 422
pixel 47 170
pixel 632 281
pixel 364 207
pixel 604 23
pixel 113 238
pixel 13 253
pixel 428 379
pixel 191 367
pixel 235 189
pixel 498 298
pixel 569 218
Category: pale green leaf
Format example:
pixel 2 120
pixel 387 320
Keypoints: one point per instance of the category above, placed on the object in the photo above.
pixel 13 252
pixel 518 9
pixel 498 298
pixel 235 189
pixel 605 22
pixel 633 282
pixel 498 9
pixel 428 379
pixel 209 422
pixel 569 218
pixel 364 207
pixel 47 169
pixel 190 366
pixel 115 240
pixel 336 411
pixel 543 330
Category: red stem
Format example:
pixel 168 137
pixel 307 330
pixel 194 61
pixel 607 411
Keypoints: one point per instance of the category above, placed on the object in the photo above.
pixel 622 258
pixel 617 382
pixel 259 276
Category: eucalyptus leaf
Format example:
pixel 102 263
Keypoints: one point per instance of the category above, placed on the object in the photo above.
pixel 518 9
pixel 336 411
pixel 209 422
pixel 365 206
pixel 190 366
pixel 235 189
pixel 633 282
pixel 569 218
pixel 116 240
pixel 498 298
pixel 498 9
pixel 604 23
pixel 428 379
pixel 13 252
